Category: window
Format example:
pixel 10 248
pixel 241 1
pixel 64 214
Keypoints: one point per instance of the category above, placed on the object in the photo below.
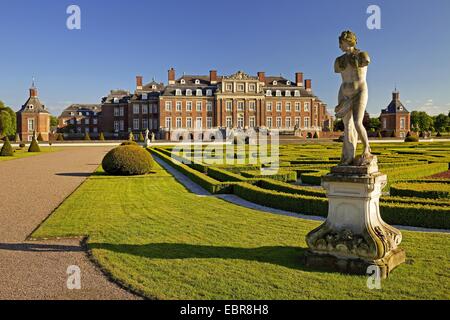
pixel 169 106
pixel 155 124
pixel 251 87
pixel 240 121
pixel 288 83
pixel 209 106
pixel 116 100
pixel 252 122
pixel 189 122
pixel 298 122
pixel 278 93
pixel 288 107
pixel 269 106
pixel 189 92
pixel 306 122
pixel 144 109
pixel 229 106
pixel 116 112
pixel 155 108
pixel 279 122
pixel 197 81
pixel 86 121
pixel 384 123
pixel 229 122
pixel 144 124
pixel 199 93
pixel 178 123
pixel 402 123
pixel 136 109
pixel 144 96
pixel 179 106
pixel 95 130
pixel 316 109
pixel 122 125
pixel 189 106
pixel 135 124
pixel 95 121
pixel 229 87
pixel 279 106
pixel 178 92
pixel 209 122
pixel 183 81
pixel 199 106
pixel 121 111
pixel 251 105
pixel 269 93
pixel 198 123
pixel 288 122
pixel 297 93
pixel 240 105
pixel 30 124
pixel 287 93
pixel 269 122
pixel 306 107
pixel 297 107
pixel 209 92
pixel 168 122
pixel 86 130
pixel 241 87
pixel 275 82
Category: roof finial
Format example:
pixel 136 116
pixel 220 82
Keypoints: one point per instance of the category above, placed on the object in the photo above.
pixel 32 82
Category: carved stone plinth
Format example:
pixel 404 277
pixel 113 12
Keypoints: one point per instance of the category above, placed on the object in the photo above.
pixel 354 236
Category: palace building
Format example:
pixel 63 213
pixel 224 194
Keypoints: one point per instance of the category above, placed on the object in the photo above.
pixel 395 119
pixel 80 119
pixel 33 118
pixel 193 104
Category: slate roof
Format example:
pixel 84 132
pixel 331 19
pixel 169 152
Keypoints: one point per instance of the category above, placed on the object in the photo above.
pixel 396 106
pixel 33 105
pixel 122 95
pixel 84 108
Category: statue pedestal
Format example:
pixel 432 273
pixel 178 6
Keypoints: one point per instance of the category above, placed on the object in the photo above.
pixel 354 236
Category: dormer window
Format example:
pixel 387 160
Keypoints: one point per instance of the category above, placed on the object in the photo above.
pixel 400 108
pixel 275 82
pixel 31 107
pixel 144 96
pixel 269 93
pixel 288 83
pixel 178 92
pixel 197 81
pixel 183 81
pixel 199 93
pixel 297 93
pixel 278 93
pixel 72 113
pixel 288 93
pixel 189 92
pixel 154 87
pixel 116 100
pixel 209 92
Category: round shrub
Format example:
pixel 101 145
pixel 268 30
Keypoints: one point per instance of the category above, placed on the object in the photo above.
pixel 412 139
pixel 128 160
pixel 22 145
pixel 7 150
pixel 34 146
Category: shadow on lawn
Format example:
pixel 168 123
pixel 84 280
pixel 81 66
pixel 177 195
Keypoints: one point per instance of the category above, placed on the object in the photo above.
pixel 289 257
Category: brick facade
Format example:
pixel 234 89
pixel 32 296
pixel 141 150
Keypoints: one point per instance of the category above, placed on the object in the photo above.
pixel 395 119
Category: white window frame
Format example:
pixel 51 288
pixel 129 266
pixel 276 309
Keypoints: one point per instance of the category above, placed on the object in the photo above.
pixel 229 122
pixel 179 106
pixel 189 122
pixel 252 122
pixel 209 106
pixel 269 106
pixel 32 127
pixel 269 122
pixel 208 122
pixel 169 106
pixel 197 121
pixel 279 106
pixel 240 105
pixel 199 106
pixel 178 122
pixel 279 122
pixel 189 106
pixel 229 106
pixel 136 124
pixel 168 122
pixel 136 108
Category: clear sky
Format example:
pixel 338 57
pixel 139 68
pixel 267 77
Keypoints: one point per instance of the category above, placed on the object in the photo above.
pixel 121 39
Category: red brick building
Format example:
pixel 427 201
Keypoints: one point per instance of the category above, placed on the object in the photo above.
pixel 32 118
pixel 207 103
pixel 395 119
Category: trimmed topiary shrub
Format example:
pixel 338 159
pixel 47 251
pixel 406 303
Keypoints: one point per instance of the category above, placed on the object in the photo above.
pixel 102 137
pixel 40 138
pixel 7 150
pixel 128 161
pixel 34 146
pixel 141 137
pixel 60 137
pixel 22 145
pixel 316 136
pixel 411 138
pixel 131 136
pixel 87 137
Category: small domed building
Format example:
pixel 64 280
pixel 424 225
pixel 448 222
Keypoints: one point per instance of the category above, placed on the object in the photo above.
pixel 32 118
pixel 395 119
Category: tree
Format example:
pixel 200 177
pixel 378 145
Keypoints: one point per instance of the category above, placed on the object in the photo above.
pixel 374 124
pixel 421 121
pixel 441 123
pixel 7 150
pixel 7 121
pixel 53 122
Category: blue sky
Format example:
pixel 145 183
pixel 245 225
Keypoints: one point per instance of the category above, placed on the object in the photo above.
pixel 120 39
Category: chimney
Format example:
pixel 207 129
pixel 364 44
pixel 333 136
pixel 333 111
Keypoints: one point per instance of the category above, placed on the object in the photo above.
pixel 171 76
pixel 33 92
pixel 262 76
pixel 213 77
pixel 139 82
pixel 299 79
pixel 308 84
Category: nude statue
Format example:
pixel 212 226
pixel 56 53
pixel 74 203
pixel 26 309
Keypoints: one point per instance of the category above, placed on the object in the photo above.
pixel 353 97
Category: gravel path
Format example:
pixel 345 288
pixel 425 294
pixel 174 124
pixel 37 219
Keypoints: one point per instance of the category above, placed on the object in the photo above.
pixel 33 188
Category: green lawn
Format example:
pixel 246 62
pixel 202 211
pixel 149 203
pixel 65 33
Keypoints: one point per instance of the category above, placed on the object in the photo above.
pixel 23 153
pixel 167 243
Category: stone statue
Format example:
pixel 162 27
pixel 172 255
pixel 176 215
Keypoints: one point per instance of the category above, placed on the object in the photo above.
pixel 353 96
pixel 153 137
pixel 147 140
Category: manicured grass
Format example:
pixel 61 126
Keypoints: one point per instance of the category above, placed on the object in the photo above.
pixel 152 234
pixel 23 153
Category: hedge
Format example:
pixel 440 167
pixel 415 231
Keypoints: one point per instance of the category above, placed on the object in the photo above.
pixel 313 178
pixel 224 175
pixel 421 190
pixel 287 188
pixel 285 176
pixel 209 184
